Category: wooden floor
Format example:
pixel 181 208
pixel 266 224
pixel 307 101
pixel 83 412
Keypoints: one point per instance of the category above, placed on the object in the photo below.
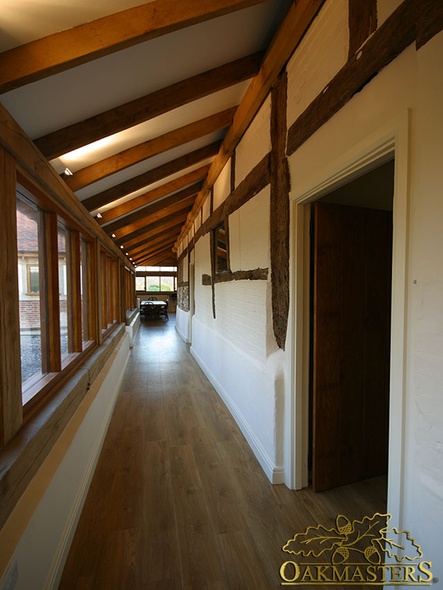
pixel 178 500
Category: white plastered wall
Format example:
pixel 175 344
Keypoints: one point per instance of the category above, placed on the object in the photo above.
pixel 236 349
pixel 403 105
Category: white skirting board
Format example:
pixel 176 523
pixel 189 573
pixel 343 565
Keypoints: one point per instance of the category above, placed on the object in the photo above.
pixel 274 473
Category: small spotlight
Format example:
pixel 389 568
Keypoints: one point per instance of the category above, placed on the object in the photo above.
pixel 122 247
pixel 68 172
pixel 98 216
pixel 113 236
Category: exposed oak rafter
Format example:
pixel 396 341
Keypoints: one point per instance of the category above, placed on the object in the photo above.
pixel 140 215
pixel 154 175
pixel 61 51
pixel 153 229
pixel 292 30
pixel 146 108
pixel 172 226
pixel 149 149
pixel 129 230
pixel 154 195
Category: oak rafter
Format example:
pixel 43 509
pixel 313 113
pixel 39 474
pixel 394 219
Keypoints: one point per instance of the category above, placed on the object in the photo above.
pixel 150 148
pixel 148 107
pixel 81 44
pixel 154 195
pixel 151 176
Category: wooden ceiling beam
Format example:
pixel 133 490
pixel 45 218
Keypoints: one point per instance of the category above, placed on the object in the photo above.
pixel 167 260
pixel 149 149
pixel 158 215
pixel 284 43
pixel 157 234
pixel 147 231
pixel 149 210
pixel 151 176
pixel 157 250
pixel 148 107
pixel 153 247
pixel 154 195
pixel 81 44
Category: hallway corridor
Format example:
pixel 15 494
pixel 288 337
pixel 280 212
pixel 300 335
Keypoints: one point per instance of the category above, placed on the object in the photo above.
pixel 178 500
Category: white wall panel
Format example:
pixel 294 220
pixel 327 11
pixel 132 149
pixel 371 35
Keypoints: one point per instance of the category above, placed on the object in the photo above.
pixel 320 55
pixel 255 144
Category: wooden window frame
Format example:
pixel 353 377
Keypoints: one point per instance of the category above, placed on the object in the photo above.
pixel 215 249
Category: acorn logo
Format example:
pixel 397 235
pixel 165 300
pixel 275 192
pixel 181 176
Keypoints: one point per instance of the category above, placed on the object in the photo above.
pixel 367 551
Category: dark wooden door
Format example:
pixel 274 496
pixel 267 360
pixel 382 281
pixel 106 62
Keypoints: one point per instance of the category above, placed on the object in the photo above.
pixel 352 256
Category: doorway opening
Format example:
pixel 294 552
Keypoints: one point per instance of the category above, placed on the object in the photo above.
pixel 350 330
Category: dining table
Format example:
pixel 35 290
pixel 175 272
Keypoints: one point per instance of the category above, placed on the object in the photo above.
pixel 154 308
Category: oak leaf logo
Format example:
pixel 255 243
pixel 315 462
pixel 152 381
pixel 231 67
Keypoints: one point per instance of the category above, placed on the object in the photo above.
pixel 368 539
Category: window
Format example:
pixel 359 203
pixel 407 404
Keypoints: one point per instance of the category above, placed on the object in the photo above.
pixel 85 292
pixel 30 257
pixel 221 248
pixel 33 279
pixel 57 316
pixel 109 290
pixel 140 283
pixel 64 295
pixel 156 278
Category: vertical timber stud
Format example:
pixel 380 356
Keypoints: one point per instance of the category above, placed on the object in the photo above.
pixel 11 414
pixel 362 22
pixel 279 214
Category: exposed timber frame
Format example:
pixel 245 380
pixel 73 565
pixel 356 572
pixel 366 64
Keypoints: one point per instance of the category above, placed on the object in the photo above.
pixel 62 51
pixel 413 21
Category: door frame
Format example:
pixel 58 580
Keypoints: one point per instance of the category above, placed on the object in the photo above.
pixel 390 141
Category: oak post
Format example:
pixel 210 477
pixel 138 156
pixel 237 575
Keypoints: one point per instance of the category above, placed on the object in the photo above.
pixel 11 414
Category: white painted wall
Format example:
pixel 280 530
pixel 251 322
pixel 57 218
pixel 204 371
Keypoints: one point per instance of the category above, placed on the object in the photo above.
pixel 255 143
pixel 222 186
pixel 236 349
pixel 36 537
pixel 414 83
pixel 403 104
pixel 320 55
pixel 182 324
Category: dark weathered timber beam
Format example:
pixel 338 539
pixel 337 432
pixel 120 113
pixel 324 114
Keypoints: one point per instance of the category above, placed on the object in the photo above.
pixel 279 222
pixel 413 20
pixel 149 210
pixel 149 149
pixel 147 178
pixel 61 51
pixel 163 212
pixel 154 195
pixel 257 179
pixel 362 22
pixel 291 32
pixel 146 108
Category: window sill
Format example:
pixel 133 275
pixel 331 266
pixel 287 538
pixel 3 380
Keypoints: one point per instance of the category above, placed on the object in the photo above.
pixel 21 458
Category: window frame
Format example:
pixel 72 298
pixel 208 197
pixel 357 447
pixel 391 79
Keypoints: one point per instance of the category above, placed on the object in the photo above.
pixel 215 248
pixel 54 365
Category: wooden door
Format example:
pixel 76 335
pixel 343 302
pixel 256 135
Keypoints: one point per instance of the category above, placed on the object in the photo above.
pixel 352 255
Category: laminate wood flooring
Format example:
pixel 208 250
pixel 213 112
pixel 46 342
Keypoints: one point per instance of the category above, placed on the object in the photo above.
pixel 178 501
